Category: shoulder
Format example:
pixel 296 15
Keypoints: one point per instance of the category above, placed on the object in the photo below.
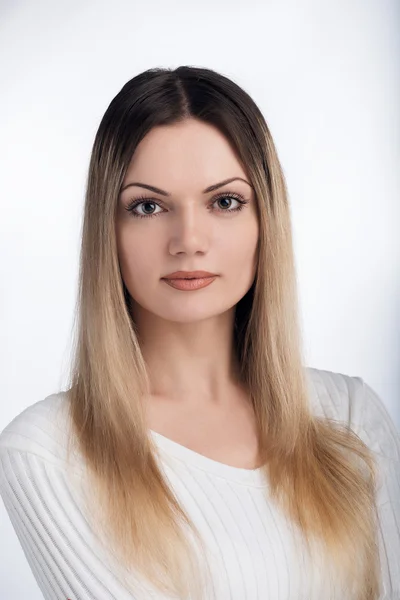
pixel 41 429
pixel 351 400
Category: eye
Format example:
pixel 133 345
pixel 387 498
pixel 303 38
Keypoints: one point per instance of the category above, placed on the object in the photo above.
pixel 144 202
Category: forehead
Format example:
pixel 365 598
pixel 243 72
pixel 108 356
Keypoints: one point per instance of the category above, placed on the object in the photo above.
pixel 190 153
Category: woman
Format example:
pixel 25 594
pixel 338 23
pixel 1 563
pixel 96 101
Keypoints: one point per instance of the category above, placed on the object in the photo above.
pixel 193 455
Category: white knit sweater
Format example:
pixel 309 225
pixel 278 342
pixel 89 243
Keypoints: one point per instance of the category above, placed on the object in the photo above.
pixel 251 542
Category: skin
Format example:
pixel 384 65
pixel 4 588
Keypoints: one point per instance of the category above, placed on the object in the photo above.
pixel 187 337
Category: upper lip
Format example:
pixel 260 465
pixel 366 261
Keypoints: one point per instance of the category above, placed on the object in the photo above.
pixel 188 274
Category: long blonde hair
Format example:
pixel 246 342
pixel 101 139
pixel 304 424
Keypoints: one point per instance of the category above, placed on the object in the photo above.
pixel 320 473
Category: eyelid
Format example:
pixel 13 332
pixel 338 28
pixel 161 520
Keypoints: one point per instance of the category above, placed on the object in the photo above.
pixel 142 198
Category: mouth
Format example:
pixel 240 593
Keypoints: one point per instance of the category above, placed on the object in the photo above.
pixel 189 275
pixel 189 283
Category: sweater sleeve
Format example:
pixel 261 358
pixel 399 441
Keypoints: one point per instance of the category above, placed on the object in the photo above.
pixel 53 532
pixel 378 431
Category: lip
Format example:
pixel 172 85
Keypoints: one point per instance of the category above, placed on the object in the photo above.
pixel 189 275
pixel 189 285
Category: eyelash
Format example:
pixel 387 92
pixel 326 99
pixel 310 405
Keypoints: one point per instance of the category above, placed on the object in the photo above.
pixel 143 200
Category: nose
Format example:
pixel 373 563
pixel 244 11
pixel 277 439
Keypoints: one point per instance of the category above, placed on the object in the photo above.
pixel 189 231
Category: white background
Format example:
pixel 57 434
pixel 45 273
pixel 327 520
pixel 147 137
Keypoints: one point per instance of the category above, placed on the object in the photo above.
pixel 326 77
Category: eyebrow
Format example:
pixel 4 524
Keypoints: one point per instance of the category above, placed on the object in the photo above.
pixel 211 188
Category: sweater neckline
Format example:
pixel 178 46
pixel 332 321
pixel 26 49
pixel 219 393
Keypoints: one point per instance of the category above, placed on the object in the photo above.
pixel 249 477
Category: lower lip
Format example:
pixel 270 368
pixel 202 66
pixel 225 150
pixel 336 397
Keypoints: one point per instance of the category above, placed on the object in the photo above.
pixel 190 284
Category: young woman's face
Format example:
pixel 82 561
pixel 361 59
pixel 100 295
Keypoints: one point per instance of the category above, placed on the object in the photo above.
pixel 186 230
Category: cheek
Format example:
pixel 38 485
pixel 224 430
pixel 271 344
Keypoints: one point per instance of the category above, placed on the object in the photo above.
pixel 240 248
pixel 137 257
pixel 243 260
